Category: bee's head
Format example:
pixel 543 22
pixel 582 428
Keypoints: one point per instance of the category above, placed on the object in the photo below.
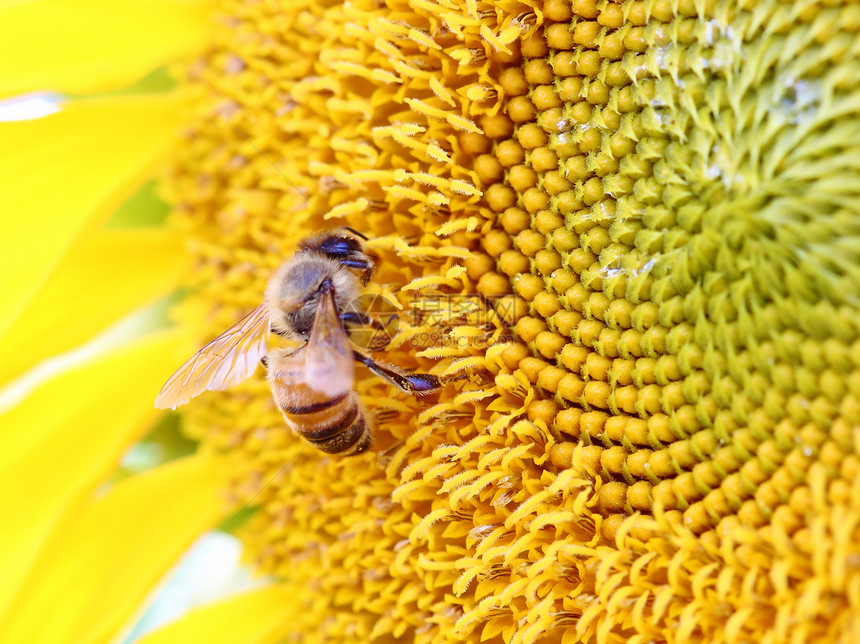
pixel 297 288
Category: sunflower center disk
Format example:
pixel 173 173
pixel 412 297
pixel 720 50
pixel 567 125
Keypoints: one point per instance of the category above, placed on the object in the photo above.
pixel 661 202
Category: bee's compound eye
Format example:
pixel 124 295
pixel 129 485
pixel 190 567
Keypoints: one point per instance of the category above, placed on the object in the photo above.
pixel 340 246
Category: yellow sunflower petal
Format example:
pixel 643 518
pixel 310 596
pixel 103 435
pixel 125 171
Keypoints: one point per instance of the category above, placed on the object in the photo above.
pixel 68 170
pixel 255 617
pixel 104 277
pixel 80 47
pixel 64 439
pixel 104 557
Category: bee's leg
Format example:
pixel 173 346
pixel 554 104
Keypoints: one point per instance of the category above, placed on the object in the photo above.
pixel 265 361
pixel 357 318
pixel 384 415
pixel 366 266
pixel 381 336
pixel 388 445
pixel 384 457
pixel 417 384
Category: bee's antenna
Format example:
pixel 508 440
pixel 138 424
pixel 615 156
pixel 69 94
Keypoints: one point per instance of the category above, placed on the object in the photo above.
pixel 355 232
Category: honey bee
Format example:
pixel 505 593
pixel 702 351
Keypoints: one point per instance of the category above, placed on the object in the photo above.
pixel 307 300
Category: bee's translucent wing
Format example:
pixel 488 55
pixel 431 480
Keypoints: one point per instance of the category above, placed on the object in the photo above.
pixel 329 361
pixel 226 361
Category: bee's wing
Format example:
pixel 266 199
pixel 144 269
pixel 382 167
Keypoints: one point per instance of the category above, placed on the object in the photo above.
pixel 329 361
pixel 226 361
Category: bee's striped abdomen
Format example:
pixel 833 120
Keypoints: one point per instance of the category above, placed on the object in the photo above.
pixel 335 425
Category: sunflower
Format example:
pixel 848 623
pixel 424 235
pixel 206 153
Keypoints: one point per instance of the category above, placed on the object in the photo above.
pixel 625 234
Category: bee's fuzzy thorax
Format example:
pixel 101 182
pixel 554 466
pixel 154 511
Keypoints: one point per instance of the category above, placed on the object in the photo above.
pixel 292 293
